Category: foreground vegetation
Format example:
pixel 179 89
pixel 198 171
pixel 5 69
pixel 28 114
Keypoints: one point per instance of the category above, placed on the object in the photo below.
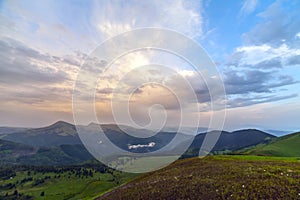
pixel 68 182
pixel 217 177
pixel 212 177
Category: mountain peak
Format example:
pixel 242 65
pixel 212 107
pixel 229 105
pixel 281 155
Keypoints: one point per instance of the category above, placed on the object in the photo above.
pixel 62 123
pixel 252 131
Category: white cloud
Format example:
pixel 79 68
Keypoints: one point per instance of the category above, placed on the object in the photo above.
pixel 264 56
pixel 136 146
pixel 278 23
pixel 248 7
pixel 258 70
pixel 111 19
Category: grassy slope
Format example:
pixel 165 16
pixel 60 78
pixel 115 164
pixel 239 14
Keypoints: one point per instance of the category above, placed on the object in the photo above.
pixel 66 186
pixel 16 153
pixel 288 146
pixel 217 177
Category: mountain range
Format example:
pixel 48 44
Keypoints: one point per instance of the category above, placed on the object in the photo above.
pixel 60 144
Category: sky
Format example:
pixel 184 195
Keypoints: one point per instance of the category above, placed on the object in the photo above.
pixel 255 46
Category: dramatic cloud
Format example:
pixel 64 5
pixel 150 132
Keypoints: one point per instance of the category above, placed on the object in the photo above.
pixel 264 57
pixel 254 81
pixel 33 78
pixel 44 43
pixel 22 65
pixel 259 66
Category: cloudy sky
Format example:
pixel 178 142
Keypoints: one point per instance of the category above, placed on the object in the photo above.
pixel 255 46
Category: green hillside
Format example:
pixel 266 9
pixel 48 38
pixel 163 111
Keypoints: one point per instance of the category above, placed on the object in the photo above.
pixel 286 146
pixel 12 153
pixel 217 177
pixel 69 182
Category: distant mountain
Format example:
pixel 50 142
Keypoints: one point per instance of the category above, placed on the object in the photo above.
pixel 63 133
pixel 12 153
pixel 137 144
pixel 61 155
pixel 286 146
pixel 140 144
pixel 186 129
pixel 278 132
pixel 230 141
pixel 60 144
pixel 9 130
pixel 54 135
pixel 242 138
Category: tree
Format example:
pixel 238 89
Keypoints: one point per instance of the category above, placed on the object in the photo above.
pixel 16 193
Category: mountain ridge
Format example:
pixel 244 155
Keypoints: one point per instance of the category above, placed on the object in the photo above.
pixel 47 144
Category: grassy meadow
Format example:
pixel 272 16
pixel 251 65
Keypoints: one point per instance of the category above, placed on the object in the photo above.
pixel 217 177
pixel 211 177
pixel 60 183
